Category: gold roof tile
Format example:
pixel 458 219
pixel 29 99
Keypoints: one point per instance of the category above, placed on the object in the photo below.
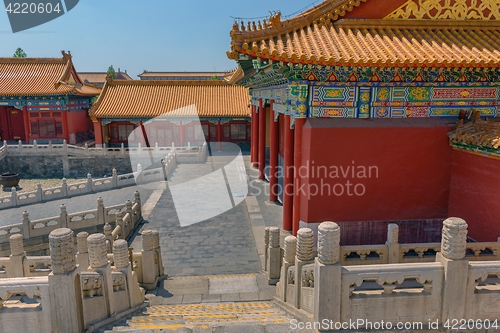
pixel 41 76
pixel 149 99
pixel 380 42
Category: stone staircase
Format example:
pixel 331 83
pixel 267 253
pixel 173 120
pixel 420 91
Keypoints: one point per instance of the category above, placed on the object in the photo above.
pixel 235 317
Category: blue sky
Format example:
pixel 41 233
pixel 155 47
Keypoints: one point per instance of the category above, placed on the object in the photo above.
pixel 156 35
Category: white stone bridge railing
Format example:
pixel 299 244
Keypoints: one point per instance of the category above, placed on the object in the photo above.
pixel 78 291
pixel 126 215
pixel 90 185
pixel 72 150
pixel 322 287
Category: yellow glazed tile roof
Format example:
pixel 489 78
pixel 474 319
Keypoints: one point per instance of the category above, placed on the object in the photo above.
pixel 382 43
pixel 484 134
pixel 42 76
pixel 149 99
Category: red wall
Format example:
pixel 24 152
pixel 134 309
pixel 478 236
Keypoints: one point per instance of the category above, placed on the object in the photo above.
pixel 78 121
pixel 412 156
pixel 475 194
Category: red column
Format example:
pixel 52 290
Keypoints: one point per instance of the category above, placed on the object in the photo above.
pixel 255 136
pixel 288 177
pixel 273 156
pixel 98 133
pixel 262 139
pixel 65 125
pixel 219 134
pixel 297 160
pixel 181 133
pixel 26 124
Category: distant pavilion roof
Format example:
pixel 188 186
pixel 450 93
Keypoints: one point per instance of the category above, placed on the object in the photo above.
pixel 99 78
pixel 42 76
pixel 328 35
pixel 146 75
pixel 149 99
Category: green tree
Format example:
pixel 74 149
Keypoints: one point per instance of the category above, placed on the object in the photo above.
pixel 111 72
pixel 19 53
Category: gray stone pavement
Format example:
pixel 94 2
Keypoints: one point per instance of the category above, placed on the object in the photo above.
pixel 73 205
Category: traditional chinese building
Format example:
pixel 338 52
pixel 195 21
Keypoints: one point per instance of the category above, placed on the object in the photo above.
pixel 359 95
pixel 175 107
pixel 44 99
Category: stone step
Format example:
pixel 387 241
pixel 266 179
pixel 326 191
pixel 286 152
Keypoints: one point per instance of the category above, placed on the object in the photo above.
pixel 239 317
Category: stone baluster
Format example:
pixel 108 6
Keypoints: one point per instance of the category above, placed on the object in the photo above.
pixel 114 178
pixel 17 255
pixel 5 146
pixel 108 233
pixel 150 271
pixel 86 148
pixel 304 256
pixel 13 197
pixel 122 264
pixel 20 146
pixel 35 146
pixel 290 250
pixel 89 183
pixel 63 217
pixel 327 274
pixel 274 256
pixel 64 188
pixel 119 222
pixel 65 146
pixel 393 243
pixel 128 205
pixel 26 225
pixel 50 146
pixel 39 192
pixel 266 246
pixel 82 256
pixel 122 149
pixel 64 283
pixel 98 259
pixel 156 247
pixel 456 267
pixel 101 218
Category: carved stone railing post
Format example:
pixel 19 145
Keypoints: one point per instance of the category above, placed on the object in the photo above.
pixel 393 243
pixel 39 192
pixel 327 274
pixel 64 188
pixel 13 197
pixel 114 178
pixel 266 246
pixel 156 247
pixel 119 222
pixel 26 225
pixel 98 259
pixel 137 198
pixel 100 211
pixel 456 267
pixel 64 284
pixel 89 183
pixel 150 260
pixel 108 233
pixel 122 264
pixel 17 255
pixel 82 256
pixel 304 256
pixel 63 217
pixel 290 250
pixel 274 256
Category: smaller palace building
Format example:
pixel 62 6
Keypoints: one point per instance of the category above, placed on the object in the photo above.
pixel 172 110
pixel 44 99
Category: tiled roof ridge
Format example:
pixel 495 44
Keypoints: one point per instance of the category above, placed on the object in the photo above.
pixel 327 11
pixel 166 83
pixel 415 24
pixel 479 133
pixel 64 59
